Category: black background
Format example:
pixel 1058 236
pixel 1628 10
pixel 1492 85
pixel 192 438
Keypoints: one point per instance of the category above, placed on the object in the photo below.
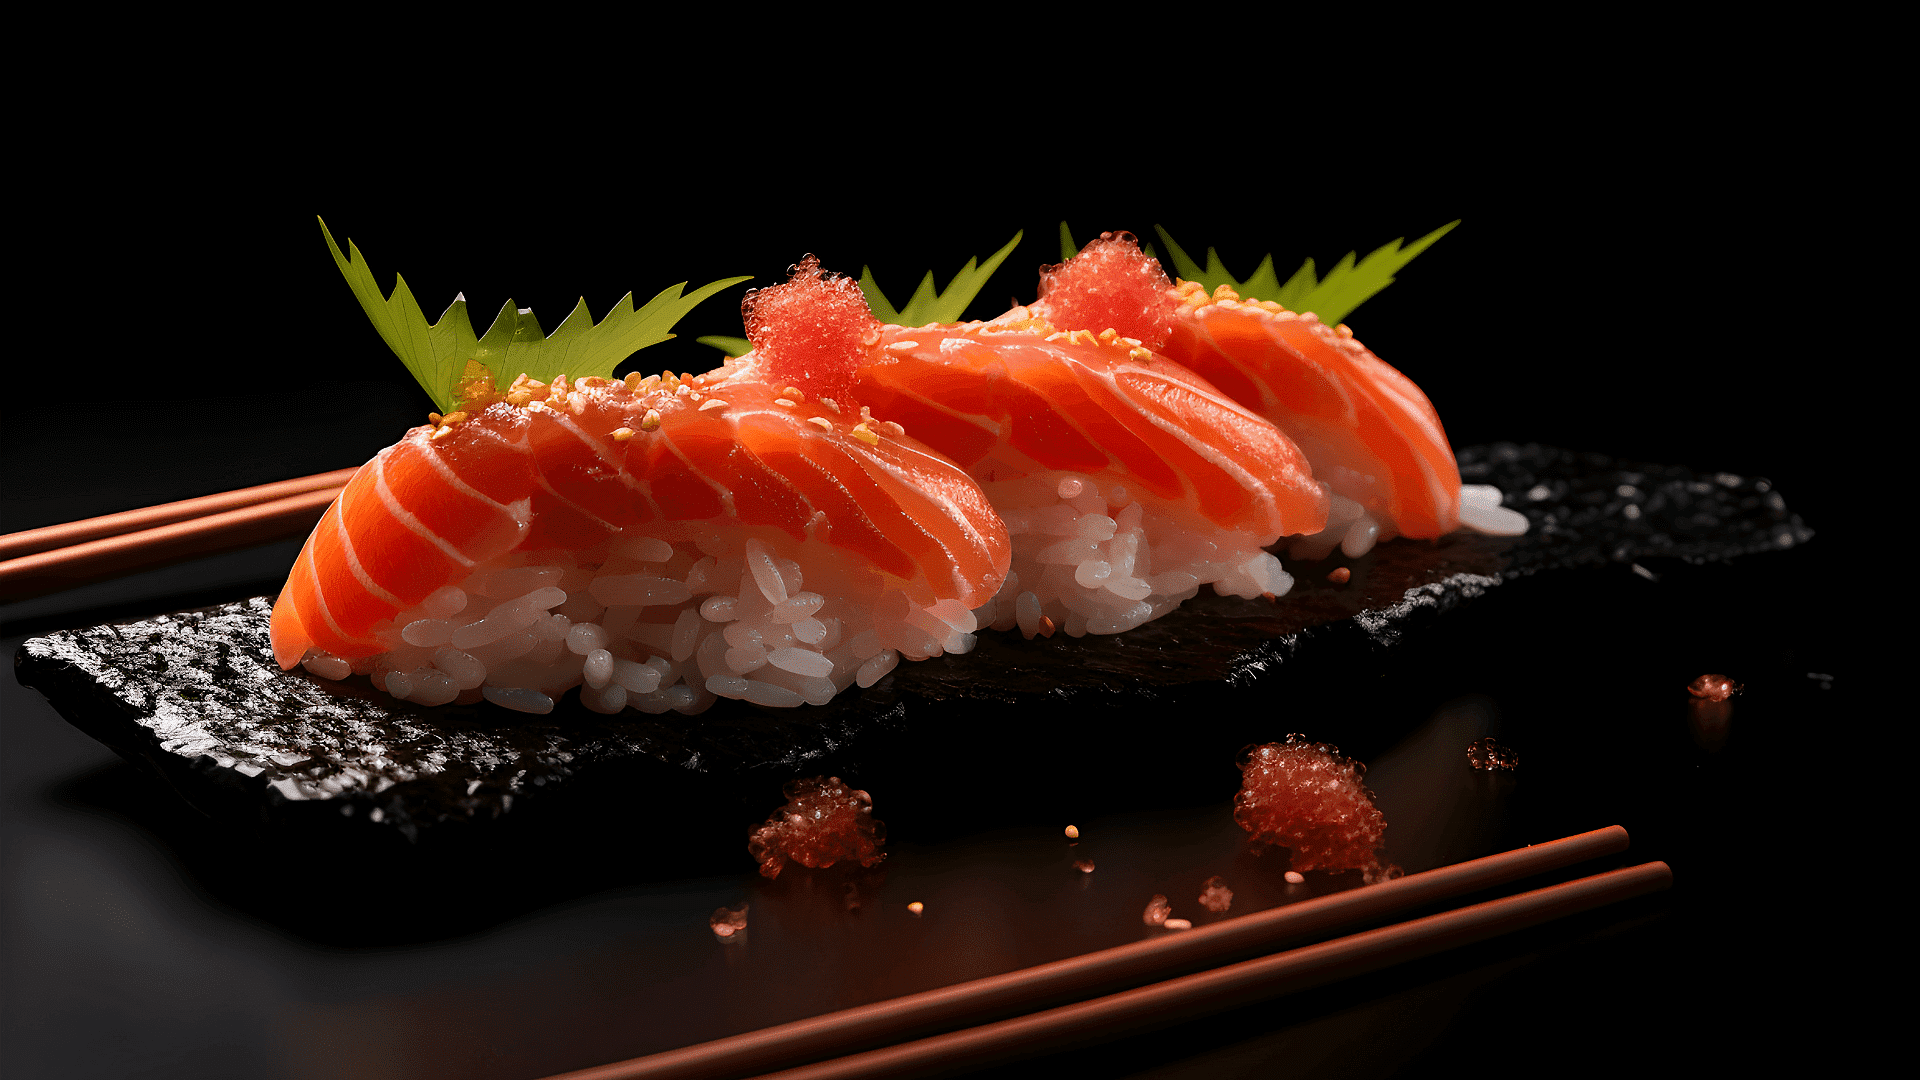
pixel 1651 291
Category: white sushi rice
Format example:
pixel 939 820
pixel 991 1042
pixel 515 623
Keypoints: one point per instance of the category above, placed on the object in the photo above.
pixel 1355 530
pixel 1095 559
pixel 657 624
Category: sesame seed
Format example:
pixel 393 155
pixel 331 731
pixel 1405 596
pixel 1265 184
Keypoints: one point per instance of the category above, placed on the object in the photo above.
pixel 902 346
pixel 865 434
pixel 783 401
pixel 713 403
pixel 440 433
pixel 651 421
pixel 622 434
pixel 820 422
pixel 893 429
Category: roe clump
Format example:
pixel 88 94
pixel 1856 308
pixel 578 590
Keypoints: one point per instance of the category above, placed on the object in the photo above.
pixel 823 822
pixel 1111 283
pixel 1713 687
pixel 1305 797
pixel 1215 896
pixel 811 331
pixel 1489 756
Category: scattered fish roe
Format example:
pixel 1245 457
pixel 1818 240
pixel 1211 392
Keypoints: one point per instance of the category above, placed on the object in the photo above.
pixel 1340 575
pixel 1713 687
pixel 1178 924
pixel 727 922
pixel 1305 797
pixel 1157 911
pixel 916 907
pixel 1073 832
pixel 1489 756
pixel 1110 284
pixel 823 822
pixel 1215 896
pixel 1295 877
pixel 810 331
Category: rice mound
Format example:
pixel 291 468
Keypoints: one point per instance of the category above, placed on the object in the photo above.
pixel 657 622
pixel 1097 559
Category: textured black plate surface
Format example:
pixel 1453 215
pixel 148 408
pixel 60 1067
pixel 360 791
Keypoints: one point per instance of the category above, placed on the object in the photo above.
pixel 195 697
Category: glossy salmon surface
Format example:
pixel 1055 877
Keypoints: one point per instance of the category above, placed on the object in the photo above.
pixel 1367 430
pixel 567 467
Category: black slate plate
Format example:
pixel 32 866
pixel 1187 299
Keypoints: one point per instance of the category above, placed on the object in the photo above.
pixel 195 698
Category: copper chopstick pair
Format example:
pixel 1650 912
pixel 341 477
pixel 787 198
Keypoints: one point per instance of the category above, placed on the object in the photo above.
pixel 39 561
pixel 1187 974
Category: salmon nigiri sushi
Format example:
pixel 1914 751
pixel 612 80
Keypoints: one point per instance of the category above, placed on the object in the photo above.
pixel 1371 436
pixel 660 542
pixel 1126 481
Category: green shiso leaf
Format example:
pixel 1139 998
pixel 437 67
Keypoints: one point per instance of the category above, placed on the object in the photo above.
pixel 732 346
pixel 514 344
pixel 930 306
pixel 1332 298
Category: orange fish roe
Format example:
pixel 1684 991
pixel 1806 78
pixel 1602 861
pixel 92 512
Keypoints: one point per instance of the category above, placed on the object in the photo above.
pixel 1713 687
pixel 1215 896
pixel 1305 797
pixel 1110 284
pixel 811 331
pixel 824 822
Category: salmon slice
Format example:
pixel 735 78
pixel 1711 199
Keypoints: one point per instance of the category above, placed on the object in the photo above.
pixel 1367 430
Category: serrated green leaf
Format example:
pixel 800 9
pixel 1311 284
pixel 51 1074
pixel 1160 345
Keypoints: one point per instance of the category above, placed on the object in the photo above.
pixel 929 305
pixel 732 346
pixel 514 344
pixel 1346 286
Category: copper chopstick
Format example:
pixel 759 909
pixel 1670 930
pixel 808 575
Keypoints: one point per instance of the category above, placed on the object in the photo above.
pixel 45 560
pixel 1234 985
pixel 1101 972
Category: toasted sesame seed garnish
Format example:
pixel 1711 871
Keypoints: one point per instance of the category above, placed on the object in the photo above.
pixel 536 406
pixel 519 398
pixel 453 417
pixel 440 433
pixel 1225 292
pixel 871 337
pixel 1230 303
pixel 1343 330
pixel 788 402
pixel 830 403
pixel 793 392
pixel 1131 342
pixel 633 380
pixel 902 346
pixel 1108 335
pixel 1055 336
pixel 433 418
pixel 820 422
pixel 682 390
pixel 577 404
pixel 865 434
pixel 651 421
pixel 893 429
pixel 712 403
pixel 622 434
pixel 1141 354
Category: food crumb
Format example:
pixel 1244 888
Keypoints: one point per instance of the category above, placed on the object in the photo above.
pixel 1295 877
pixel 1713 687
pixel 728 921
pixel 1178 924
pixel 1157 911
pixel 1085 866
pixel 1215 896
pixel 916 907
pixel 1073 832
pixel 1339 575
pixel 1489 756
